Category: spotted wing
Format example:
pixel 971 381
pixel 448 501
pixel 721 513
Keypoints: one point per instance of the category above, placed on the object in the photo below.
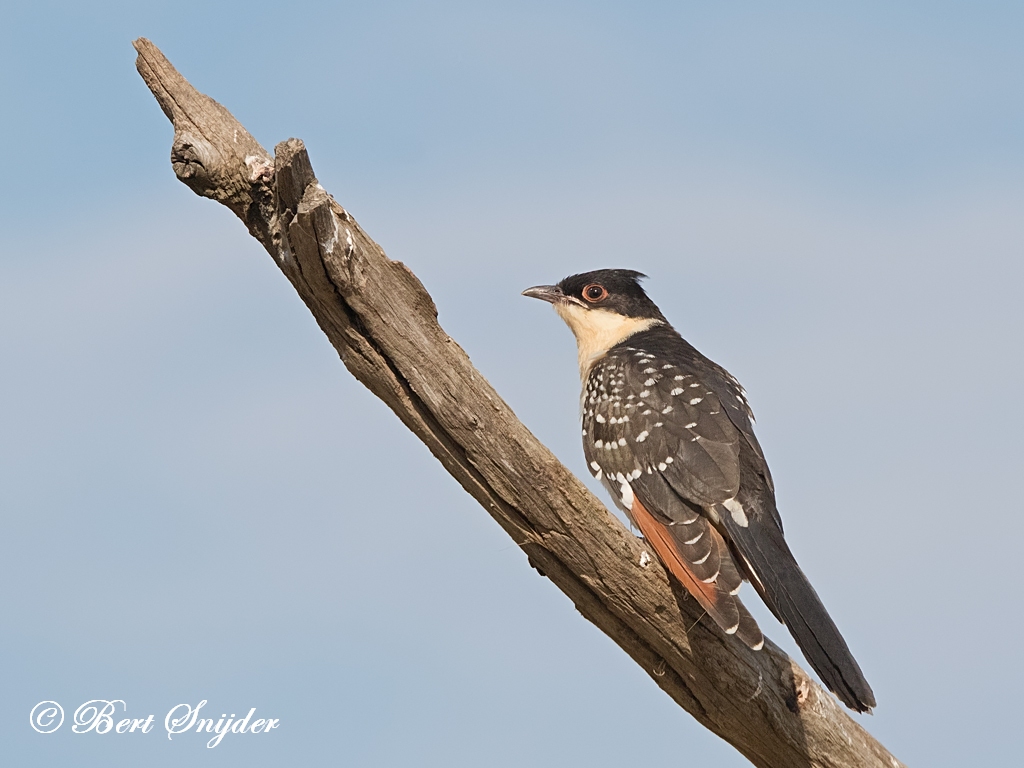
pixel 643 415
pixel 646 421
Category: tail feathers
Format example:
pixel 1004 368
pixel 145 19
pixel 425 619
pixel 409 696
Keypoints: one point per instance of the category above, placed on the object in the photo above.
pixel 696 553
pixel 790 596
pixel 820 640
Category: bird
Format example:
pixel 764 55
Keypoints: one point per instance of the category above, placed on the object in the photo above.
pixel 670 434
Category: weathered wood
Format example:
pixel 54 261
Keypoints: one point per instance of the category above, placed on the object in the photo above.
pixel 384 326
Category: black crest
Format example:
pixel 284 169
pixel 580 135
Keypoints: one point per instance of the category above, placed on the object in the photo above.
pixel 621 292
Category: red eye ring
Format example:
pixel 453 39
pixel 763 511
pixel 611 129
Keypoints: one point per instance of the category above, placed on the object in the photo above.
pixel 595 293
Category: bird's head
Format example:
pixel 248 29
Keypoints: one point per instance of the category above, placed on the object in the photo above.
pixel 602 308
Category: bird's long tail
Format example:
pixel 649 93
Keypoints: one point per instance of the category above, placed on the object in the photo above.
pixel 784 587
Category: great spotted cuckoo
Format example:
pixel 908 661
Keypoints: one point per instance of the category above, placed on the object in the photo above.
pixel 669 433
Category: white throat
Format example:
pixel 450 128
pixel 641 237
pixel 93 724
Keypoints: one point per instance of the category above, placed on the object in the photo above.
pixel 598 330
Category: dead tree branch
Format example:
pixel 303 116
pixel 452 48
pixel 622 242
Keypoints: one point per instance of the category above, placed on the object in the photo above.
pixel 384 325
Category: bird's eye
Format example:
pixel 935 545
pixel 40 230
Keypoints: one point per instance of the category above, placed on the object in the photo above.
pixel 595 292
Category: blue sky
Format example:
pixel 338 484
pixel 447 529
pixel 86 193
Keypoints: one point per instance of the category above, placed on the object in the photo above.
pixel 198 502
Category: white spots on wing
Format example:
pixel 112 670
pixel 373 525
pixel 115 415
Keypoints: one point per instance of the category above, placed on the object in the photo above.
pixel 599 443
pixel 650 370
pixel 645 393
pixel 645 559
pixel 649 383
pixel 691 425
pixel 599 419
pixel 595 466
pixel 739 516
pixel 677 391
pixel 669 460
pixel 659 423
pixel 625 492
pixel 696 400
pixel 695 384
pixel 642 436
pixel 662 466
pixel 666 409
pixel 680 377
pixel 667 367
pixel 696 538
pixel 704 560
pixel 692 520
pixel 635 473
pixel 622 441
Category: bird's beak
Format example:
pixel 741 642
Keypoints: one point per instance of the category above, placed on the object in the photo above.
pixel 548 293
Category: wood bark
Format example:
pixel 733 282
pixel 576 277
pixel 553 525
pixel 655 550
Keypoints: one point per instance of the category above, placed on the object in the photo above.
pixel 384 326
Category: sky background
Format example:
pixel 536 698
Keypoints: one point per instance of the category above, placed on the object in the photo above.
pixel 198 502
